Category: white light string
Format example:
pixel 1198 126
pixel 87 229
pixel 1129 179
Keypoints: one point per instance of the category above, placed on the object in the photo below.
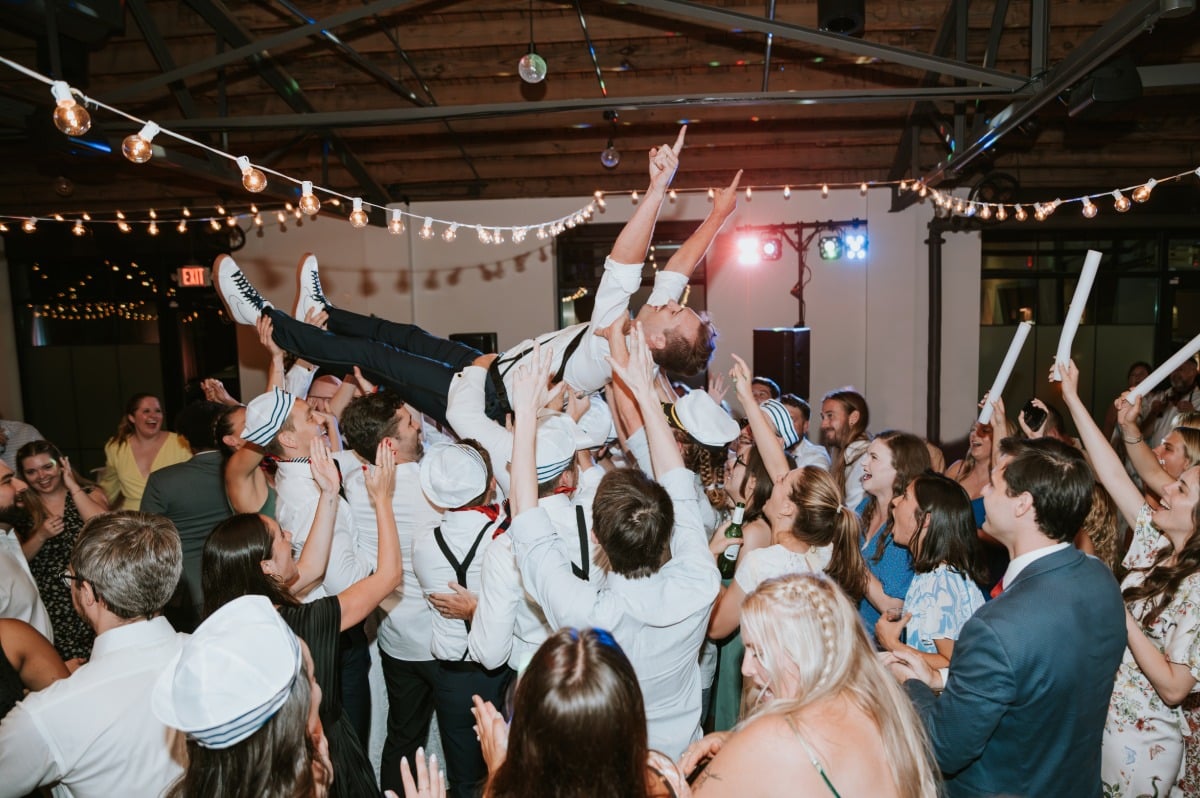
pixel 1123 198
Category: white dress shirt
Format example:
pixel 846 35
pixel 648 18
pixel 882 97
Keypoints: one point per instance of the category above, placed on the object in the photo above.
pixel 295 509
pixel 659 620
pixel 807 453
pixel 94 733
pixel 19 596
pixel 587 370
pixel 459 528
pixel 406 632
pixel 856 463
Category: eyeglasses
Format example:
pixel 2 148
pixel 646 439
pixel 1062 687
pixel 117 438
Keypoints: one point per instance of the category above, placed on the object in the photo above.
pixel 69 577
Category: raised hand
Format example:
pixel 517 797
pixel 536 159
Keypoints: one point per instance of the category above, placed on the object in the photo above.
pixel 68 474
pixel 725 199
pixel 1070 377
pixel 531 381
pixel 492 732
pixel 265 331
pixel 381 478
pixel 429 782
pixel 743 381
pixel 578 403
pixel 638 372
pixel 664 161
pixel 317 318
pixel 215 390
pixel 1129 409
pixel 320 464
pixel 364 385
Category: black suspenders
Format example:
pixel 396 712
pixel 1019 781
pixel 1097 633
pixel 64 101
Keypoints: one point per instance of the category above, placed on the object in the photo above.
pixel 582 571
pixel 460 568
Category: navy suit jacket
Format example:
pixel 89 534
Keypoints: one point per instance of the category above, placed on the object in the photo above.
pixel 1030 682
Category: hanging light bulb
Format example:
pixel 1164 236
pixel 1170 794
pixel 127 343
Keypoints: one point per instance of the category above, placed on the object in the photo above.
pixel 484 236
pixel 182 226
pixel 923 190
pixel 308 200
pixel 519 234
pixel 673 196
pixel 787 192
pixel 1142 192
pixel 749 193
pixel 69 116
pixel 253 179
pixel 634 197
pixel 1001 213
pixel 29 225
pixel 497 236
pixel 427 228
pixel 1089 208
pixel 258 220
pixel 532 66
pixel 123 226
pixel 221 210
pixel 1019 214
pixel 450 233
pixel 985 212
pixel 541 233
pixel 187 212
pixel 153 229
pixel 610 156
pixel 904 185
pixel 298 214
pixel 136 146
pixel 1039 212
pixel 599 197
pixel 396 225
pixel 824 190
pixel 231 221
pixel 862 189
pixel 1120 201
pixel 281 217
pixel 358 217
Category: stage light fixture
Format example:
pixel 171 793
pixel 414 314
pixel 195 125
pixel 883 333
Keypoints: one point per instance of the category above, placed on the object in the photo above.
pixel 749 250
pixel 855 245
pixel 830 247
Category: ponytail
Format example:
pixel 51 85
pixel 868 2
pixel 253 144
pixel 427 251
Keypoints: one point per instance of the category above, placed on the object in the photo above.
pixel 846 565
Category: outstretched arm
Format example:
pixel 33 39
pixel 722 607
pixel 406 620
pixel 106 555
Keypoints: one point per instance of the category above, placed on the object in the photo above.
pixel 638 376
pixel 362 597
pixel 770 446
pixel 634 239
pixel 690 253
pixel 1105 463
pixel 1145 462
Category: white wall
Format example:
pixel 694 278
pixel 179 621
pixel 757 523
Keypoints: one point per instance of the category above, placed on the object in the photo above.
pixel 868 317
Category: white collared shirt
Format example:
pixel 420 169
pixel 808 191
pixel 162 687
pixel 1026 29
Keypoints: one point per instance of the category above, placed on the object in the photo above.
pixel 19 596
pixel 295 510
pixel 807 453
pixel 1019 564
pixel 659 621
pixel 406 632
pixel 94 732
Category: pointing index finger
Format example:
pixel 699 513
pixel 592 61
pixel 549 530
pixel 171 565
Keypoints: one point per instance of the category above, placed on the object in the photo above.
pixel 678 145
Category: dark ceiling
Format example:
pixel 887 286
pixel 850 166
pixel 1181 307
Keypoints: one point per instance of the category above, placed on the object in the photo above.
pixel 395 100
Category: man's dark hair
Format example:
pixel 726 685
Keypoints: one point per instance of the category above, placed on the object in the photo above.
pixel 1056 476
pixel 791 400
pixel 633 522
pixel 768 383
pixel 369 419
pixel 197 422
pixel 681 356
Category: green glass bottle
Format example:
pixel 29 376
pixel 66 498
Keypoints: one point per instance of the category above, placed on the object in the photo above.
pixel 727 563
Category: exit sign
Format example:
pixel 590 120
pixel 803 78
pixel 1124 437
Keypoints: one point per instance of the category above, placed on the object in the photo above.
pixel 193 277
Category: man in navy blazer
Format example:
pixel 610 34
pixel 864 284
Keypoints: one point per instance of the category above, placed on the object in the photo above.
pixel 1030 680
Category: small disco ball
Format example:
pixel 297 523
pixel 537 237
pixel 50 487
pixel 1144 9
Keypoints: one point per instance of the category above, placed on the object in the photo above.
pixel 532 68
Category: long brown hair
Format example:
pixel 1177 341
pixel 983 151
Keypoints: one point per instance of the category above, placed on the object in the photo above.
pixel 910 458
pixel 578 725
pixel 822 520
pixel 36 511
pixel 1163 580
pixel 852 402
pixel 231 565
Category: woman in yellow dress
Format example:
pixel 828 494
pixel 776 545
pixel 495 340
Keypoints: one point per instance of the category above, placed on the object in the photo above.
pixel 141 445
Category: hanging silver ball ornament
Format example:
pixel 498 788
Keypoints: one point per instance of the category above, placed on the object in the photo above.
pixel 610 156
pixel 532 68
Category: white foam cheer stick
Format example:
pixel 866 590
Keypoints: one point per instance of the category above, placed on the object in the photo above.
pixel 1010 361
pixel 1083 288
pixel 1162 372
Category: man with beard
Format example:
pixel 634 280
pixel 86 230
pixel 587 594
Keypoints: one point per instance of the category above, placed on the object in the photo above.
pixel 844 420
pixel 409 669
pixel 19 597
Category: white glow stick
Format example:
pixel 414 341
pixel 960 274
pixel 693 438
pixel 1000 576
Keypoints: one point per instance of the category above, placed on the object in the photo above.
pixel 1162 372
pixel 1010 361
pixel 1075 312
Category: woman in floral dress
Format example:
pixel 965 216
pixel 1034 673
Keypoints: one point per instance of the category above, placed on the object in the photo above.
pixel 59 503
pixel 1143 749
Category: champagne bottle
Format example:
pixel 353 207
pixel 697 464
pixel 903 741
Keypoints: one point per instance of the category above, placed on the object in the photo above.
pixel 727 564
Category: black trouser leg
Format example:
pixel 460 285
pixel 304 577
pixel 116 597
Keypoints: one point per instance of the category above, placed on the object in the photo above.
pixel 410 692
pixel 457 682
pixel 356 689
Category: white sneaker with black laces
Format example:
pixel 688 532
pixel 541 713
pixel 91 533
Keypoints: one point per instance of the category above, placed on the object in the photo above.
pixel 241 299
pixel 310 296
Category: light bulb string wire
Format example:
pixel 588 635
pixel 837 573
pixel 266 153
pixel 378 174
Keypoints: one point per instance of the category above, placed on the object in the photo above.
pixel 911 184
pixel 388 211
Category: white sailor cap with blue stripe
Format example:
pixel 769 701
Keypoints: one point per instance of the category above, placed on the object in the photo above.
pixel 782 421
pixel 231 676
pixel 265 415
pixel 557 439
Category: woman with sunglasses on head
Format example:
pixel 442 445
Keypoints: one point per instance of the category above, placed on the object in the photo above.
pixel 1143 747
pixel 58 503
pixel 933 520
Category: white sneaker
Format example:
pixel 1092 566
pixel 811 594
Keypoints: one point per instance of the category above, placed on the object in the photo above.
pixel 241 299
pixel 310 296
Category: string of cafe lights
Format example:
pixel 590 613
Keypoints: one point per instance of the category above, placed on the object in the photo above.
pixel 72 118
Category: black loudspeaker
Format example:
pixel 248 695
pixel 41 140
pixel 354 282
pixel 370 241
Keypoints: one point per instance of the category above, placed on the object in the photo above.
pixel 782 353
pixel 484 342
pixel 1107 88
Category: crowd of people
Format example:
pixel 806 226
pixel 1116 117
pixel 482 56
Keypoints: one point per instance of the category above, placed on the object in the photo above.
pixel 525 548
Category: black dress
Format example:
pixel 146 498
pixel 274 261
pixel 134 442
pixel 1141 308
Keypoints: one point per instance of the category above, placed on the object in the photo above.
pixel 72 636
pixel 319 625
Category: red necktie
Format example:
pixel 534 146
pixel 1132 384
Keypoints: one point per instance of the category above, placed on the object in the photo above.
pixel 998 589
pixel 563 489
pixel 492 511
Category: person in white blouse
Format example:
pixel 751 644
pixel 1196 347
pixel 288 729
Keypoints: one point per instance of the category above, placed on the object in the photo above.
pixel 661 578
